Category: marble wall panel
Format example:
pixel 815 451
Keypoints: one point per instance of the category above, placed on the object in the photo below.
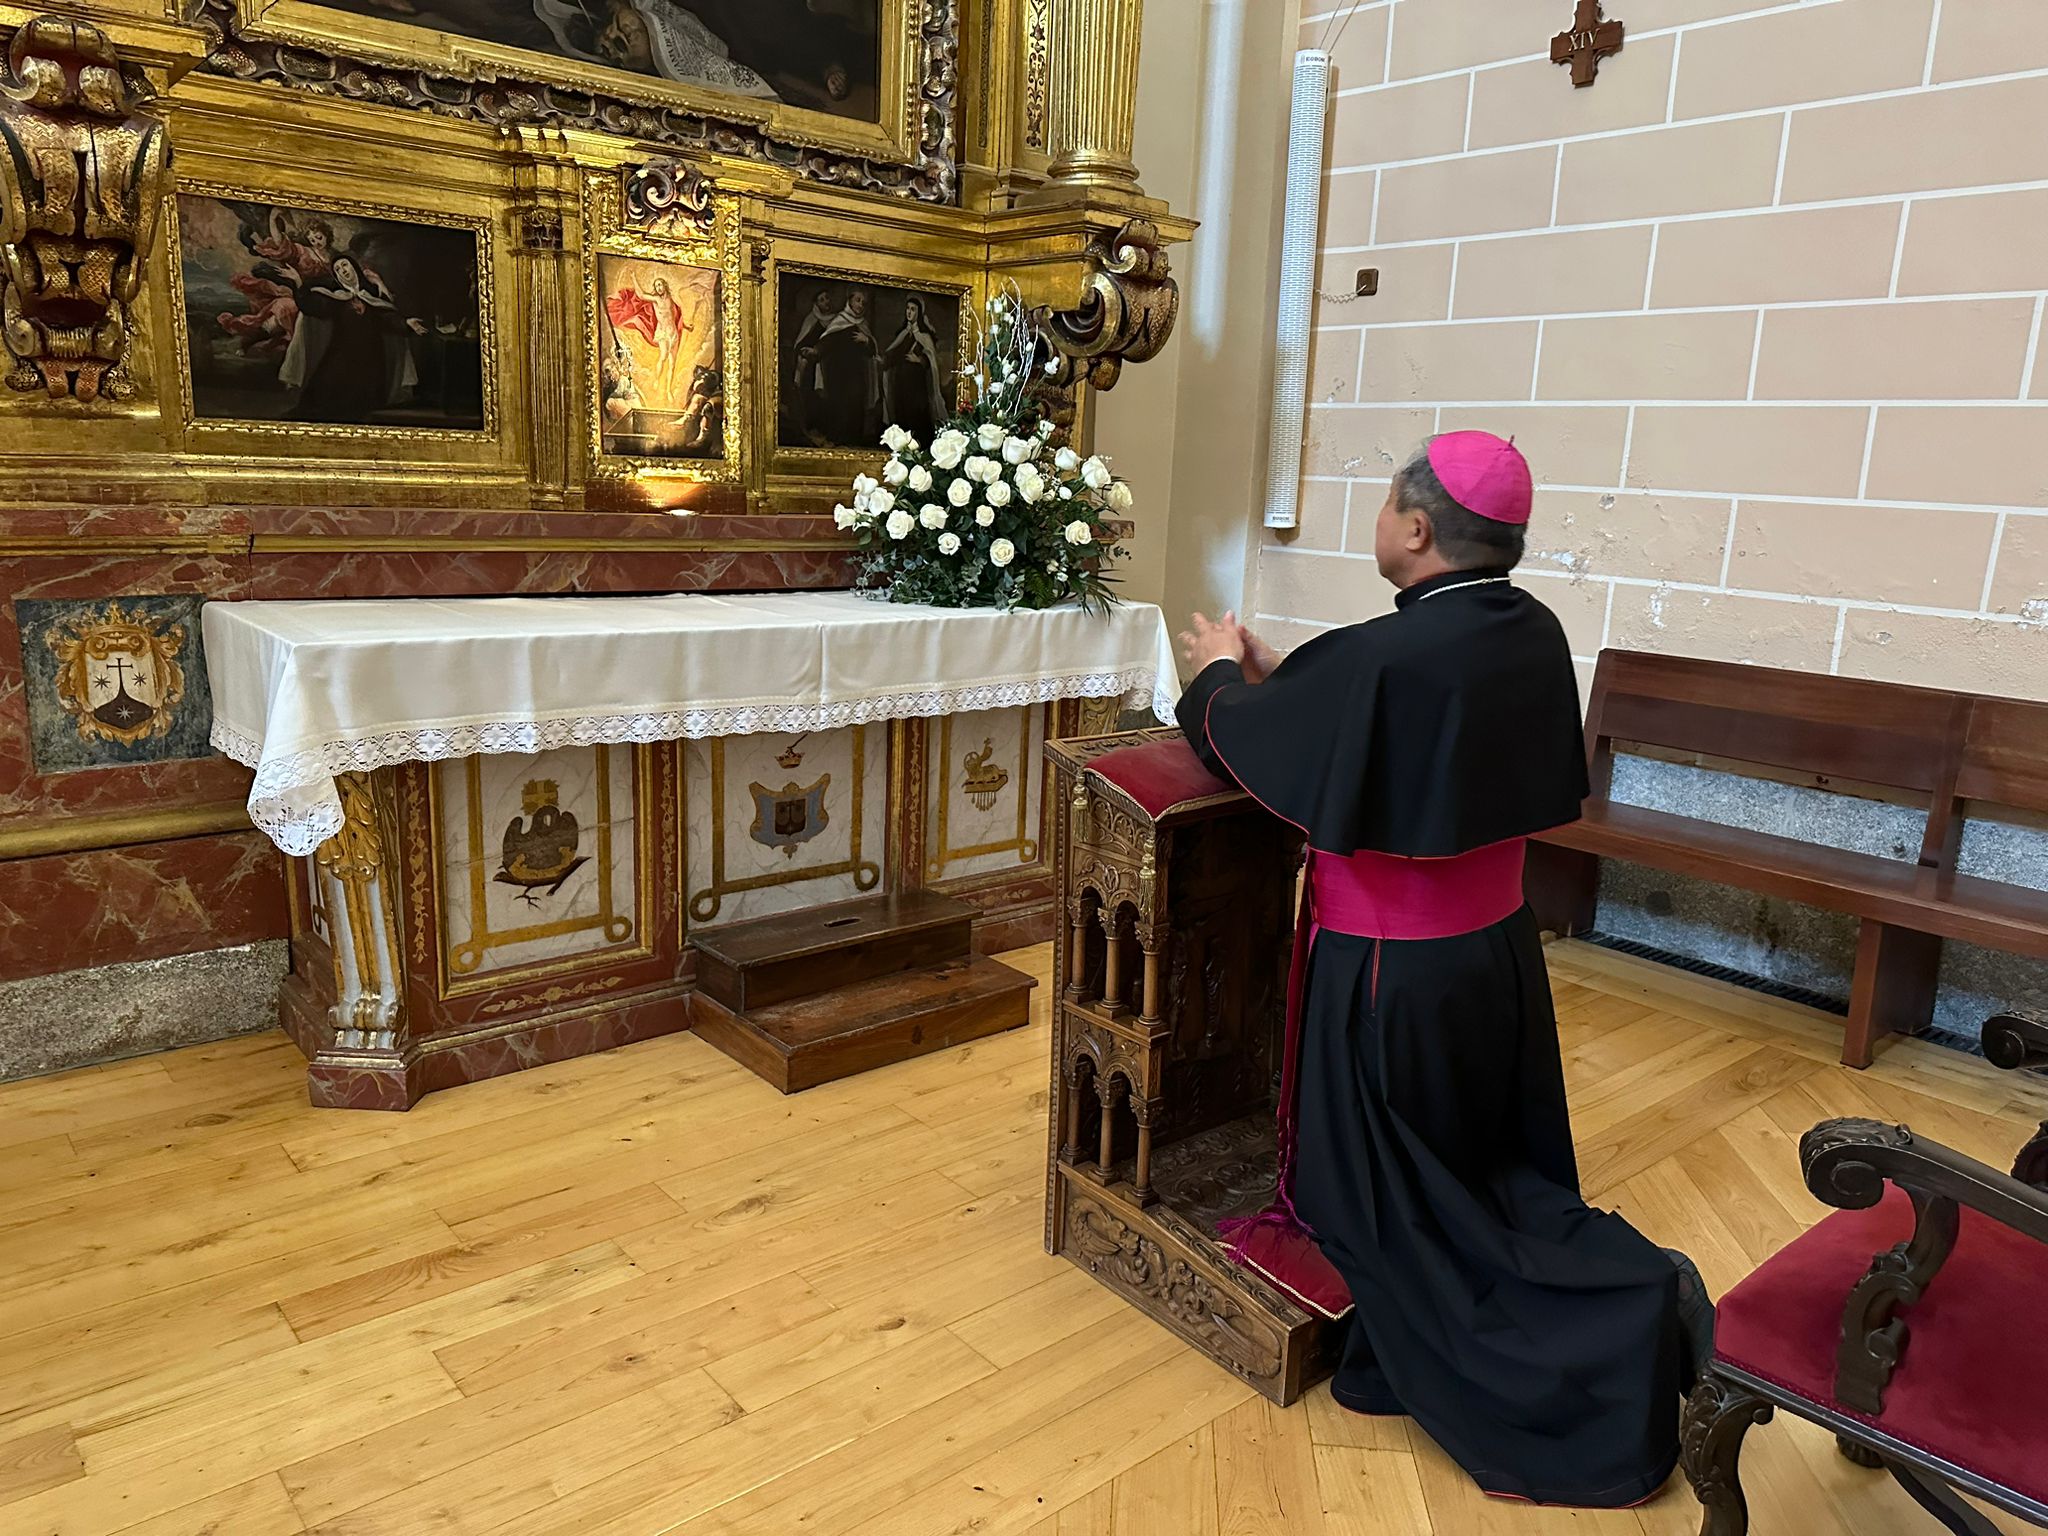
pixel 777 822
pixel 141 902
pixel 984 792
pixel 538 861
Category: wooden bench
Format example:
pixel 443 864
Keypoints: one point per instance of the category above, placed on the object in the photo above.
pixel 1936 749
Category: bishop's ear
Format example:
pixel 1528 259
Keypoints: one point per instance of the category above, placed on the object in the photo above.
pixel 1418 537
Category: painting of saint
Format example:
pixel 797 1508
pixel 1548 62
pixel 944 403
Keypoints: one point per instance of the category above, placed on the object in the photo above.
pixel 662 364
pixel 857 357
pixel 323 317
pixel 822 55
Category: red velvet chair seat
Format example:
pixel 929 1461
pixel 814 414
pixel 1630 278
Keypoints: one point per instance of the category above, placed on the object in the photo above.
pixel 1160 775
pixel 1969 1388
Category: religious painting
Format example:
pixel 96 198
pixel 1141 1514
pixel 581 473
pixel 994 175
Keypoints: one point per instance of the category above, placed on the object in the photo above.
pixel 984 792
pixel 816 55
pixel 854 356
pixel 777 821
pixel 539 862
pixel 663 372
pixel 113 681
pixel 319 317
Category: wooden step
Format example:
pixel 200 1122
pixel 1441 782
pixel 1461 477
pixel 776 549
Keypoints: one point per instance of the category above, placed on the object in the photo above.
pixel 757 964
pixel 812 1040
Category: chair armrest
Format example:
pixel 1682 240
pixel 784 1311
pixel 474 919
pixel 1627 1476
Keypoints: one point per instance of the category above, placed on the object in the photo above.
pixel 1847 1164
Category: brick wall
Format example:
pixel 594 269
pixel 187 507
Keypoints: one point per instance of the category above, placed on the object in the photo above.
pixel 1764 306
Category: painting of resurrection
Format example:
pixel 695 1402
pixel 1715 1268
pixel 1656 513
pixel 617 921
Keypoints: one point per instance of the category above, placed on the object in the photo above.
pixel 304 315
pixel 662 366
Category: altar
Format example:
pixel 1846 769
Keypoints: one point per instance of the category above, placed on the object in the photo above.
pixel 514 820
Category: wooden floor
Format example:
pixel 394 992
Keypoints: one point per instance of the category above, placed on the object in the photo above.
pixel 641 1293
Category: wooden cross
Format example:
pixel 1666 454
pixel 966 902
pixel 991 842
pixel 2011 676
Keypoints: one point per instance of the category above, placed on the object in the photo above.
pixel 1589 40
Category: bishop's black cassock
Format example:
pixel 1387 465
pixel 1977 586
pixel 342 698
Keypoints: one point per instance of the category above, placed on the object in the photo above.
pixel 1537 1340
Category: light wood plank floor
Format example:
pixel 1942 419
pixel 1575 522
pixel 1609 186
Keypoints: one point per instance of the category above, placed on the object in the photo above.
pixel 641 1293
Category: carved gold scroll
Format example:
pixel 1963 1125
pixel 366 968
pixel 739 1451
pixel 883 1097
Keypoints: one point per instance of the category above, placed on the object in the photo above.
pixel 83 173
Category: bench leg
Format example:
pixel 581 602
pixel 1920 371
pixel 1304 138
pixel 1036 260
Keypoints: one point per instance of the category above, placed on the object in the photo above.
pixel 1563 887
pixel 1717 1416
pixel 1893 994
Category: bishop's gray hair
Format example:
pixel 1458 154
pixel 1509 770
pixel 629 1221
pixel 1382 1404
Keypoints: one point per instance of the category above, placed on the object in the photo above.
pixel 1466 539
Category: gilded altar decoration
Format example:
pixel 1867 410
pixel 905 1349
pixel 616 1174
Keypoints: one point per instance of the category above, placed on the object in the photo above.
pixel 984 779
pixel 83 170
pixel 312 316
pixel 113 680
pixel 1125 316
pixel 856 93
pixel 789 817
pixel 789 757
pixel 539 849
pixel 668 194
pixel 662 309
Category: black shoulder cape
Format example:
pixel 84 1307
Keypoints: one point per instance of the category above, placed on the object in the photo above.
pixel 1450 724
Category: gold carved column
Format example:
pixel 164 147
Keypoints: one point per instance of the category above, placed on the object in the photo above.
pixel 363 1063
pixel 1091 99
pixel 547 220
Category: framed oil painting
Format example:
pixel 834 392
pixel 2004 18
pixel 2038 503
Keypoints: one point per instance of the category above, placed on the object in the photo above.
pixel 331 318
pixel 663 357
pixel 663 364
pixel 856 353
pixel 845 75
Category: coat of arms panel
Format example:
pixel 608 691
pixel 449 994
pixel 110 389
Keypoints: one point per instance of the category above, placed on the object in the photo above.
pixel 112 681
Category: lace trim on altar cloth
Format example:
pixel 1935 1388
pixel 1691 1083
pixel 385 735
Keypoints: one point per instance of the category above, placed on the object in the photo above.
pixel 294 802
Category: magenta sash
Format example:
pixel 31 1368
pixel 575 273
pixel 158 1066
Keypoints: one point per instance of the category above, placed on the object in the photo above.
pixel 1375 896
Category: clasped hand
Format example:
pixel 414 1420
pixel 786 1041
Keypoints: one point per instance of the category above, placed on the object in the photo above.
pixel 1207 640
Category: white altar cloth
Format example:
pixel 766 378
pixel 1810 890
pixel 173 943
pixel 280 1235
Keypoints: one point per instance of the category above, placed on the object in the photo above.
pixel 303 691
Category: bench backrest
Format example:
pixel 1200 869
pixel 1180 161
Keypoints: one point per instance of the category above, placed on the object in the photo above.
pixel 1941 748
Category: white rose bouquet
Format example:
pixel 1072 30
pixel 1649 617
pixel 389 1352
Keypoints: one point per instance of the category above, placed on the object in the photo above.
pixel 987 514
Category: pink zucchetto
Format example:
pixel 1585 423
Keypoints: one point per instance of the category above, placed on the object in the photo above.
pixel 1486 475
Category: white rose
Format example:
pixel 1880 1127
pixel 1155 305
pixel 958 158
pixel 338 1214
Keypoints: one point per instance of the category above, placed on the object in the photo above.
pixel 981 468
pixel 1030 483
pixel 920 479
pixel 948 448
pixel 1017 449
pixel 862 484
pixel 1079 532
pixel 1045 428
pixel 990 436
pixel 998 495
pixel 1095 474
pixel 896 440
pixel 1052 568
pixel 844 516
pixel 1066 461
pixel 933 516
pixel 900 523
pixel 1120 496
pixel 880 501
pixel 949 543
pixel 1002 552
pixel 897 472
pixel 1066 493
pixel 985 516
pixel 960 493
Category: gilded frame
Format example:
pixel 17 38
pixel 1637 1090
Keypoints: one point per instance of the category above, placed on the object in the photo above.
pixel 894 137
pixel 836 467
pixel 215 432
pixel 606 232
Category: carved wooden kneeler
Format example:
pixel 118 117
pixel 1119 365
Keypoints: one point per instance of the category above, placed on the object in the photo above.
pixel 1170 962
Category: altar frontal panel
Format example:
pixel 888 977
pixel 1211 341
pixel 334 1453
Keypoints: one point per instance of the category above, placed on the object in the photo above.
pixel 775 822
pixel 985 793
pixel 539 863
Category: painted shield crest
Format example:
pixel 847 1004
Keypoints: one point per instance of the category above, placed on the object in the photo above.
pixel 791 816
pixel 118 674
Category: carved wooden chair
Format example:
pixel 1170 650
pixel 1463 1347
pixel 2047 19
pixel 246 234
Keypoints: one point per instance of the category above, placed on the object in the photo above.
pixel 1822 1329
